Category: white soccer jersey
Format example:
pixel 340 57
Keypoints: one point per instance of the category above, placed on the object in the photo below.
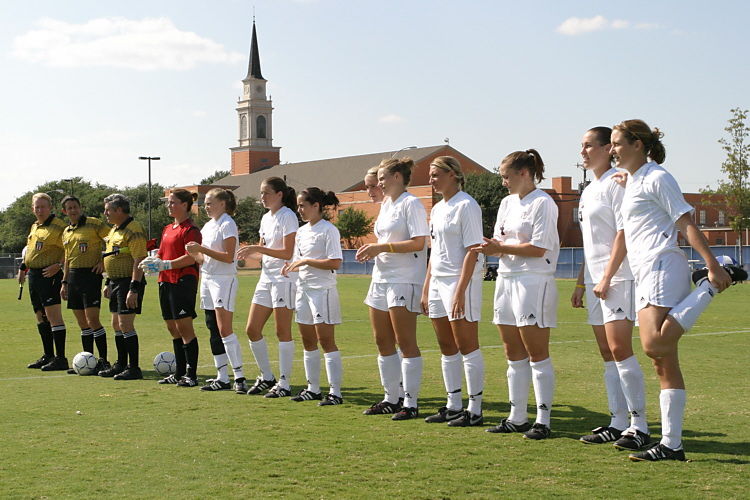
pixel 401 220
pixel 214 233
pixel 532 219
pixel 273 229
pixel 652 204
pixel 601 218
pixel 321 241
pixel 454 226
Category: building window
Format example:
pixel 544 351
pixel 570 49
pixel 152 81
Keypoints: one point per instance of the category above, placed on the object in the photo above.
pixel 243 127
pixel 260 124
pixel 702 217
pixel 721 218
pixel 719 241
pixel 576 218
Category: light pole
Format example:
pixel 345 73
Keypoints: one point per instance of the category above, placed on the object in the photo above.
pixel 71 185
pixel 149 158
pixel 402 149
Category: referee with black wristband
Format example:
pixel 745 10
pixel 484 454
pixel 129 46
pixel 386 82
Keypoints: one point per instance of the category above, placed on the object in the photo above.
pixel 126 248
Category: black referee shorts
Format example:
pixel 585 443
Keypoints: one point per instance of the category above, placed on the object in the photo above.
pixel 177 300
pixel 119 293
pixel 44 292
pixel 84 289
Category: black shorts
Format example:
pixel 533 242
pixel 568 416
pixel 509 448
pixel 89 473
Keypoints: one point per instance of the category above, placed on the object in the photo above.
pixel 44 292
pixel 119 293
pixel 84 289
pixel 178 299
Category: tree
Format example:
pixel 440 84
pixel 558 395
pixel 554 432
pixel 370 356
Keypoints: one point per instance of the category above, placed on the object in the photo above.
pixel 487 188
pixel 247 217
pixel 219 174
pixel 733 194
pixel 354 224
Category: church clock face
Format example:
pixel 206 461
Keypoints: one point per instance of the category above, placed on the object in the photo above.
pixel 259 88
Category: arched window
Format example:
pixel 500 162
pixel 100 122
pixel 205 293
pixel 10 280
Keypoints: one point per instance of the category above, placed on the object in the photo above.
pixel 243 127
pixel 260 124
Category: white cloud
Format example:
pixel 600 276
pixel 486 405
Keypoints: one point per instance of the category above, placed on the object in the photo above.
pixel 391 119
pixel 145 45
pixel 582 25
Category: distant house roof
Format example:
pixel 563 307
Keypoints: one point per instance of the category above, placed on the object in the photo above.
pixel 340 174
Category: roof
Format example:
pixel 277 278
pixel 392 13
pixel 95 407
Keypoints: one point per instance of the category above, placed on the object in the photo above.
pixel 332 174
pixel 253 68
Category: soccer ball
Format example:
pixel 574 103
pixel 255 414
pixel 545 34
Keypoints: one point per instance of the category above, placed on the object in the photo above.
pixel 84 363
pixel 165 363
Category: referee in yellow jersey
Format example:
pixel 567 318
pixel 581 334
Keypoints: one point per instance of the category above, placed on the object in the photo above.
pixel 126 248
pixel 43 264
pixel 83 241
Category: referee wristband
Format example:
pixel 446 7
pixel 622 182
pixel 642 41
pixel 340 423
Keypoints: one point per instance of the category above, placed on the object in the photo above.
pixel 581 286
pixel 134 286
pixel 64 282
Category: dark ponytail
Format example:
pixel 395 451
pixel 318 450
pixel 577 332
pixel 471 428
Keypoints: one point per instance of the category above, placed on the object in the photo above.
pixel 324 199
pixel 529 160
pixel 289 199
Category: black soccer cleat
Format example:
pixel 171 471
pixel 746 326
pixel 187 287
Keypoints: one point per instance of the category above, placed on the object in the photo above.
pixel 602 435
pixel 58 363
pixel 382 408
pixel 260 385
pixel 538 431
pixel 443 415
pixel 737 274
pixel 305 395
pixel 278 392
pixel 632 440
pixel 656 452
pixel 112 370
pixel 331 400
pixel 467 419
pixel 40 362
pixel 506 427
pixel 406 413
pixel 130 373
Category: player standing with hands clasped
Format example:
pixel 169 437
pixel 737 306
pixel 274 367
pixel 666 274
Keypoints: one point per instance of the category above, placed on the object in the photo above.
pixel 400 257
pixel 654 211
pixel 452 292
pixel 219 282
pixel 317 257
pixel 607 282
pixel 527 243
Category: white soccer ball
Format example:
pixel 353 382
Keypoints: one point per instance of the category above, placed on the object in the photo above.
pixel 84 363
pixel 165 363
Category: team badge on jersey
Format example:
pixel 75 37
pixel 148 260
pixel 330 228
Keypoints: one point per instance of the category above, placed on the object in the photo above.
pixel 83 246
pixel 39 246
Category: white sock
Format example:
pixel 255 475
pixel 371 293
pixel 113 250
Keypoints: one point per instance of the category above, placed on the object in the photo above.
pixel 474 371
pixel 687 312
pixel 543 378
pixel 401 394
pixel 452 378
pixel 286 359
pixel 411 371
pixel 519 380
pixel 672 402
pixel 334 370
pixel 618 405
pixel 390 376
pixel 220 361
pixel 312 370
pixel 260 351
pixel 234 352
pixel 634 389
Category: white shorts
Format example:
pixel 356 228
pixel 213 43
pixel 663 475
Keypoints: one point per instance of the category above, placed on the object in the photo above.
pixel 440 298
pixel 218 291
pixel 618 305
pixel 526 300
pixel 664 282
pixel 383 296
pixel 275 295
pixel 318 306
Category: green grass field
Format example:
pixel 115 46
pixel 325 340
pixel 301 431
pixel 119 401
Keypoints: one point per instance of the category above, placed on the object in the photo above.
pixel 138 439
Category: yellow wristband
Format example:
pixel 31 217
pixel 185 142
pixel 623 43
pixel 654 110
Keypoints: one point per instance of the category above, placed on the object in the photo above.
pixel 581 286
pixel 390 245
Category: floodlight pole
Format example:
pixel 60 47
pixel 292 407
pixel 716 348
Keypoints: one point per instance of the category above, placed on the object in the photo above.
pixel 149 158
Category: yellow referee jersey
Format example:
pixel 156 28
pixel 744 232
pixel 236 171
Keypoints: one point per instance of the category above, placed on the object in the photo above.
pixel 44 245
pixel 84 242
pixel 130 239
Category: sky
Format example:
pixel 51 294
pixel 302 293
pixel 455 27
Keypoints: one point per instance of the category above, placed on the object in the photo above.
pixel 88 86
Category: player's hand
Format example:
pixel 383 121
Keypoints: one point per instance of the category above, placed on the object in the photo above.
pixel 99 267
pixel 424 304
pixel 52 270
pixel 64 291
pixel 601 289
pixel 249 252
pixel 719 278
pixel 457 311
pixel 107 292
pixel 620 177
pixel 576 300
pixel 193 249
pixel 489 247
pixel 368 252
pixel 131 300
pixel 21 277
pixel 154 264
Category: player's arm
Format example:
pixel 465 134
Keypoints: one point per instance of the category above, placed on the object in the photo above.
pixel 576 299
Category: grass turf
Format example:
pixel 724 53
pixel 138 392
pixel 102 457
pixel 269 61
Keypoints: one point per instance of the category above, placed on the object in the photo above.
pixel 138 439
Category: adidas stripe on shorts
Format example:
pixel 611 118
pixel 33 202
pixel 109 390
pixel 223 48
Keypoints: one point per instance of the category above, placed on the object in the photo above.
pixel 383 296
pixel 618 305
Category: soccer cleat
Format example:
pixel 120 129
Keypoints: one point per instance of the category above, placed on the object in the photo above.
pixel 537 431
pixel 632 440
pixel 601 435
pixel 240 386
pixel 506 427
pixel 658 451
pixel 736 272
pixel 57 363
pixel 467 419
pixel 40 362
pixel 186 381
pixel 278 392
pixel 71 371
pixel 260 385
pixel 102 364
pixel 406 413
pixel 217 385
pixel 383 408
pixel 330 400
pixel 305 395
pixel 171 379
pixel 112 370
pixel 130 373
pixel 443 415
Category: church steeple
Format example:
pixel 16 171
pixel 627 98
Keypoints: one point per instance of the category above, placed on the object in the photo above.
pixel 255 150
